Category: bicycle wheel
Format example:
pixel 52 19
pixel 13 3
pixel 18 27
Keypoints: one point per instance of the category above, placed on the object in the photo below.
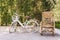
pixel 32 26
pixel 13 27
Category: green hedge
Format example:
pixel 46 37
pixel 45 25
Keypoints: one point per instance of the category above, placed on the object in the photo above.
pixel 57 25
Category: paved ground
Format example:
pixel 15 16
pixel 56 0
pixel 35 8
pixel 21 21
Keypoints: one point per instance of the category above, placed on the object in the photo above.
pixel 5 35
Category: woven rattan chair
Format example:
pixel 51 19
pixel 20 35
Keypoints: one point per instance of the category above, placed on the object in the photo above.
pixel 47 23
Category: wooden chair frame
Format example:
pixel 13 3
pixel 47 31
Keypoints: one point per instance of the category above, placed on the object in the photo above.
pixel 48 23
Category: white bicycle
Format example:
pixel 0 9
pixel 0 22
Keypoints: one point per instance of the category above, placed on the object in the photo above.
pixel 28 26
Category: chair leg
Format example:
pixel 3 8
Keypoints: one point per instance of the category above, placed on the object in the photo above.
pixel 53 32
pixel 41 32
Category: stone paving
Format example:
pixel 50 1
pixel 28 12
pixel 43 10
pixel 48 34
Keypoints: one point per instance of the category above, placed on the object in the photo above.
pixel 5 35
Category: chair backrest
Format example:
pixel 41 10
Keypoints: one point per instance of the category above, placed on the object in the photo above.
pixel 48 18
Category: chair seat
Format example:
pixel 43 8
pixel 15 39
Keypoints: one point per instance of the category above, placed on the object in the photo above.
pixel 49 26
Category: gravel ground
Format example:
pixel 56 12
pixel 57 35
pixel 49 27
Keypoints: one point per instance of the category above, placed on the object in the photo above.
pixel 5 35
